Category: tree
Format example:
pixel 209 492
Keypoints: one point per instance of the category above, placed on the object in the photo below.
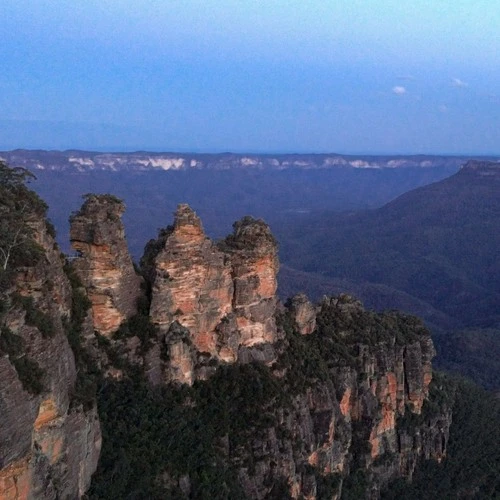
pixel 18 207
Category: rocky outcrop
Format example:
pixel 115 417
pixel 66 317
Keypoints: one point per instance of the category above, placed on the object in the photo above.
pixel 49 444
pixel 104 264
pixel 336 397
pixel 253 254
pixel 365 409
pixel 224 295
pixel 192 283
pixel 304 313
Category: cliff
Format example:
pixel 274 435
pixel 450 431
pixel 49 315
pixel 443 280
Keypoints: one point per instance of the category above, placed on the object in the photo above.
pixel 49 443
pixel 268 400
pixel 358 415
pixel 87 161
pixel 342 411
pixel 304 398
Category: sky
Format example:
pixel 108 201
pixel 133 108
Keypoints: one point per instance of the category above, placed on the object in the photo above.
pixel 346 76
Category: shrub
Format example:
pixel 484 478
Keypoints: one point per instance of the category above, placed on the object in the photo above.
pixel 30 374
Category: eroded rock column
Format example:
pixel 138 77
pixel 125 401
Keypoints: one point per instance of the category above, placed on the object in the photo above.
pixel 104 263
pixel 192 282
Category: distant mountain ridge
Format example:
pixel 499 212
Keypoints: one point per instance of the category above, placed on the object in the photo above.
pixel 432 251
pixel 438 243
pixel 84 161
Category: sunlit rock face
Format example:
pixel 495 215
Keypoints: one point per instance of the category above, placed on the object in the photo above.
pixel 254 259
pixel 224 294
pixel 192 283
pixel 104 263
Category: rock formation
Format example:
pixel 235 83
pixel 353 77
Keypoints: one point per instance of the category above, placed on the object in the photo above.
pixel 104 263
pixel 365 409
pixel 49 444
pixel 254 260
pixel 192 283
pixel 304 313
pixel 346 394
pixel 224 295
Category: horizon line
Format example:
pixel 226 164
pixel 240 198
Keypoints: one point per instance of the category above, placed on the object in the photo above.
pixel 128 150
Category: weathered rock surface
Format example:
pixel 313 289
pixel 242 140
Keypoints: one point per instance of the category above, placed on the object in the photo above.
pixel 104 264
pixel 254 258
pixel 304 313
pixel 225 295
pixel 368 414
pixel 48 449
pixel 192 283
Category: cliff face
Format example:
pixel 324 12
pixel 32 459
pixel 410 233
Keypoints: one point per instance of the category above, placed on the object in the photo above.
pixel 253 255
pixel 360 411
pixel 49 446
pixel 224 294
pixel 104 264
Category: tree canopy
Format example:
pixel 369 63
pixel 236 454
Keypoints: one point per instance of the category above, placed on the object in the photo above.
pixel 18 207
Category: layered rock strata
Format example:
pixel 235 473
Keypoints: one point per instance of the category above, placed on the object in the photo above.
pixel 104 263
pixel 254 260
pixel 224 295
pixel 49 448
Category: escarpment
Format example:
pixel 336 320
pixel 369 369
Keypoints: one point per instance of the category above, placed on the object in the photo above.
pixel 268 400
pixel 49 443
pixel 342 393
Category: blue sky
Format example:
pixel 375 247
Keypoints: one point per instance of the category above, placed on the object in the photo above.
pixel 357 76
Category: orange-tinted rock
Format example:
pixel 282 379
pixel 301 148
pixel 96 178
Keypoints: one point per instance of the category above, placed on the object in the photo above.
pixel 46 451
pixel 15 481
pixel 345 403
pixel 192 282
pixel 47 412
pixel 105 266
pixel 225 295
pixel 254 259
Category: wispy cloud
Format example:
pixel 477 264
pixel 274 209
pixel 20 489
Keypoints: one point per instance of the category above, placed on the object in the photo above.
pixel 443 108
pixel 398 90
pixel 408 78
pixel 456 82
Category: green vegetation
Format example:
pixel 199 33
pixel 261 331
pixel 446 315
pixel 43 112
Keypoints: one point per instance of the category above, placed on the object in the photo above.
pixel 138 326
pixel 18 207
pixel 108 198
pixel 328 485
pixel 153 436
pixel 29 372
pixel 474 353
pixel 88 374
pixel 35 317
